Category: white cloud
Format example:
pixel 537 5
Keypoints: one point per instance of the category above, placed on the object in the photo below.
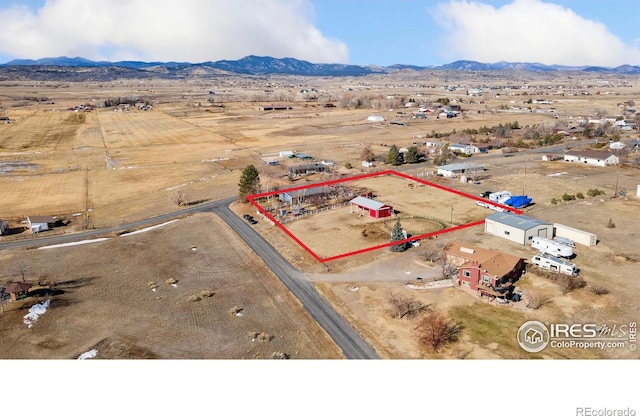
pixel 167 30
pixel 528 31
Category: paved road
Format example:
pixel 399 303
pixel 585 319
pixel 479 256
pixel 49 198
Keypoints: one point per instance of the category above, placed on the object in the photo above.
pixel 352 345
pixel 347 339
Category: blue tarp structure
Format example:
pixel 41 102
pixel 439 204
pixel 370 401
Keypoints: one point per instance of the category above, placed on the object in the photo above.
pixel 518 201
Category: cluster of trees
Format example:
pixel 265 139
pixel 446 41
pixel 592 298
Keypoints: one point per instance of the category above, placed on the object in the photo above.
pixel 394 157
pixel 113 102
pixel 433 331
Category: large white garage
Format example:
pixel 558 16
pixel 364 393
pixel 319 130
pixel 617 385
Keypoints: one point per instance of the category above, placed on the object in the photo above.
pixel 517 228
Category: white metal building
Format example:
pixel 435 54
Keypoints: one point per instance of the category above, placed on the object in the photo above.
pixel 577 236
pixel 40 223
pixel 458 169
pixel 517 228
pixel 591 157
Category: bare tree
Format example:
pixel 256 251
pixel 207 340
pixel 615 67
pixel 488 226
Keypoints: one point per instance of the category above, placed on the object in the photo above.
pixel 569 283
pixel 367 154
pixel 21 269
pixel 403 306
pixel 430 252
pixel 435 331
pixel 179 197
pixel 537 299
pixel 447 266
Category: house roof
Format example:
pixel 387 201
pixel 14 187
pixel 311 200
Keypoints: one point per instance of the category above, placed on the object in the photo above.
pixel 368 203
pixel 41 219
pixel 493 262
pixel 521 222
pixel 17 287
pixel 460 166
pixel 590 154
pixel 308 191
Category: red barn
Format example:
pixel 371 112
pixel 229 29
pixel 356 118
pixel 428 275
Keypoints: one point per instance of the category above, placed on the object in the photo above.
pixel 376 209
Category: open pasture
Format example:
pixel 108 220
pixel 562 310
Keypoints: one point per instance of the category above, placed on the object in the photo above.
pixel 422 207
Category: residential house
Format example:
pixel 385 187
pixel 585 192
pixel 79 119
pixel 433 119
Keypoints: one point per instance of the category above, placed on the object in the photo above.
pixel 455 169
pixel 464 148
pixel 17 290
pixel 487 272
pixel 38 223
pixel 591 157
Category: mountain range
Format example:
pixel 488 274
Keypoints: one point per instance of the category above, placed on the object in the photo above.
pixel 256 65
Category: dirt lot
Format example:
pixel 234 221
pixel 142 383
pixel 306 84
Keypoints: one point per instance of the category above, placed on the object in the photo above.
pixel 421 209
pixel 105 167
pixel 103 300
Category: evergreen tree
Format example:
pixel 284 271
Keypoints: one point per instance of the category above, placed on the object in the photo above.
pixel 397 235
pixel 394 157
pixel 249 182
pixel 412 156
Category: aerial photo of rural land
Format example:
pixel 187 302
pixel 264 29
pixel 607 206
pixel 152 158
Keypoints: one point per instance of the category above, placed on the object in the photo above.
pixel 315 180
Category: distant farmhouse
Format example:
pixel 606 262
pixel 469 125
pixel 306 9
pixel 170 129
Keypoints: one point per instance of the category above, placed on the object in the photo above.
pixel 591 157
pixel 309 168
pixel 274 108
pixel 464 148
pixel 40 223
pixel 459 169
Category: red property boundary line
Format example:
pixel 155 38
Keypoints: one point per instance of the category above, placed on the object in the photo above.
pixel 253 198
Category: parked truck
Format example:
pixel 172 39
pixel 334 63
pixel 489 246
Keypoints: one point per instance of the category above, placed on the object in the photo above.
pixel 554 264
pixel 546 246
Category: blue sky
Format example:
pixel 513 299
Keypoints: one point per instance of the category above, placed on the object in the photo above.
pixel 379 32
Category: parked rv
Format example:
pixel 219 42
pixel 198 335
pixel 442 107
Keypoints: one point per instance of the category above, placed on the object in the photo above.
pixel 554 264
pixel 551 247
pixel 564 240
pixel 499 197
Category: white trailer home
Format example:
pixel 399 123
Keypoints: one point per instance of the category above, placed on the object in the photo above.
pixel 577 236
pixel 551 247
pixel 500 196
pixel 554 264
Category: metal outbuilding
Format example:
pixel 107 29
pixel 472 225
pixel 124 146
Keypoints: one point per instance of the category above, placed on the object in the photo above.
pixel 517 228
pixel 376 209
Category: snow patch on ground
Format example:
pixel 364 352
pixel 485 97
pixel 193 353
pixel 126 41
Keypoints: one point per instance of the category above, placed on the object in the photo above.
pixel 89 354
pixel 148 228
pixel 34 313
pixel 77 243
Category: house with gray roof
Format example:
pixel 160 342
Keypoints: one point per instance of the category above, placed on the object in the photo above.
pixel 517 228
pixel 591 157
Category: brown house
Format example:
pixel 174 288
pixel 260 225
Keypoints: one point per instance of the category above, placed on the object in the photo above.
pixel 487 272
pixel 17 289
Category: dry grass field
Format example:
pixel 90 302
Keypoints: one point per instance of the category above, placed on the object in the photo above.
pixel 106 167
pixel 421 209
pixel 103 299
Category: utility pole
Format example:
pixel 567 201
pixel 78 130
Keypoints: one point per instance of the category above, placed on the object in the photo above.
pixel 451 215
pixel 525 175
